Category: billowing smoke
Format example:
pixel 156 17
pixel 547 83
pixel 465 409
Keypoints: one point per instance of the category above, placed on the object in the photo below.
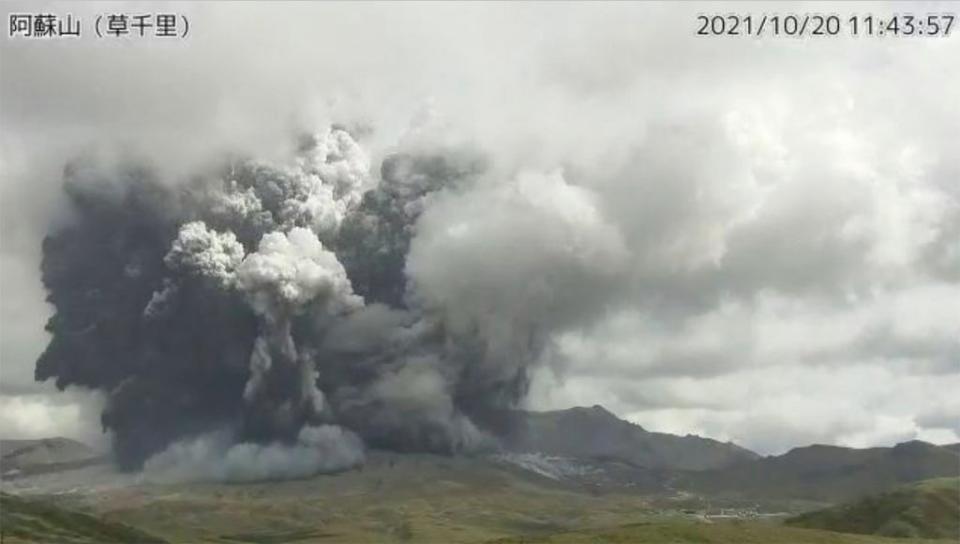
pixel 216 456
pixel 275 319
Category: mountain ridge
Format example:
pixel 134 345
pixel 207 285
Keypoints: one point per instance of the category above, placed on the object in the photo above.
pixel 830 473
pixel 35 456
pixel 596 433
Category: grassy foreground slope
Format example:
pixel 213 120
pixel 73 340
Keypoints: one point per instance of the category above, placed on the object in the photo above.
pixel 929 509
pixel 688 531
pixel 24 520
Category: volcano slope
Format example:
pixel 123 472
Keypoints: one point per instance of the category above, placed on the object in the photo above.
pixel 624 486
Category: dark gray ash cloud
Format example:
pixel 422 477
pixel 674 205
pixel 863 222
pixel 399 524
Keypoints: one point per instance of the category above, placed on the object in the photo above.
pixel 753 240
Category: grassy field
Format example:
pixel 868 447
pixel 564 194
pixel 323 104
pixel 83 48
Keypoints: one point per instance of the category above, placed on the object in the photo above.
pixel 687 531
pixel 33 521
pixel 928 509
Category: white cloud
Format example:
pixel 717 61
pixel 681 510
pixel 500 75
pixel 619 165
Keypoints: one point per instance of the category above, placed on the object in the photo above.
pixel 44 415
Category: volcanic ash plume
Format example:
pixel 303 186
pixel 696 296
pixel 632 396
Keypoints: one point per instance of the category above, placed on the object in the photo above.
pixel 272 321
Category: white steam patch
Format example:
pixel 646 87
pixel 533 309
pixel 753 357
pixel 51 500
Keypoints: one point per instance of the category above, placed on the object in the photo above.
pixel 549 466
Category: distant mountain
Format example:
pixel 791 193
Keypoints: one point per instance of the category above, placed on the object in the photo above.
pixel 929 509
pixel 595 433
pixel 829 473
pixel 19 457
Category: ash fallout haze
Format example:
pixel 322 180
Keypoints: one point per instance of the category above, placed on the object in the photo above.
pixel 305 232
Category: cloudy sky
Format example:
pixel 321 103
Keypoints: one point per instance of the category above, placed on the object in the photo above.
pixel 780 218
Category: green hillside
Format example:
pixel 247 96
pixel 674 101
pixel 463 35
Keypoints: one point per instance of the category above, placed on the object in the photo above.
pixel 690 532
pixel 929 509
pixel 32 521
pixel 828 474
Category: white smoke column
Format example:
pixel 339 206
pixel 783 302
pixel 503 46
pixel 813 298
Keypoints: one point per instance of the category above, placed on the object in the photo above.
pixel 160 301
pixel 200 251
pixel 493 270
pixel 286 209
pixel 419 391
pixel 509 262
pixel 330 180
pixel 316 190
pixel 215 457
pixel 288 273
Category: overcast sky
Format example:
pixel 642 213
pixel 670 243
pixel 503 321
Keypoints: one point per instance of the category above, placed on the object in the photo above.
pixel 783 215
